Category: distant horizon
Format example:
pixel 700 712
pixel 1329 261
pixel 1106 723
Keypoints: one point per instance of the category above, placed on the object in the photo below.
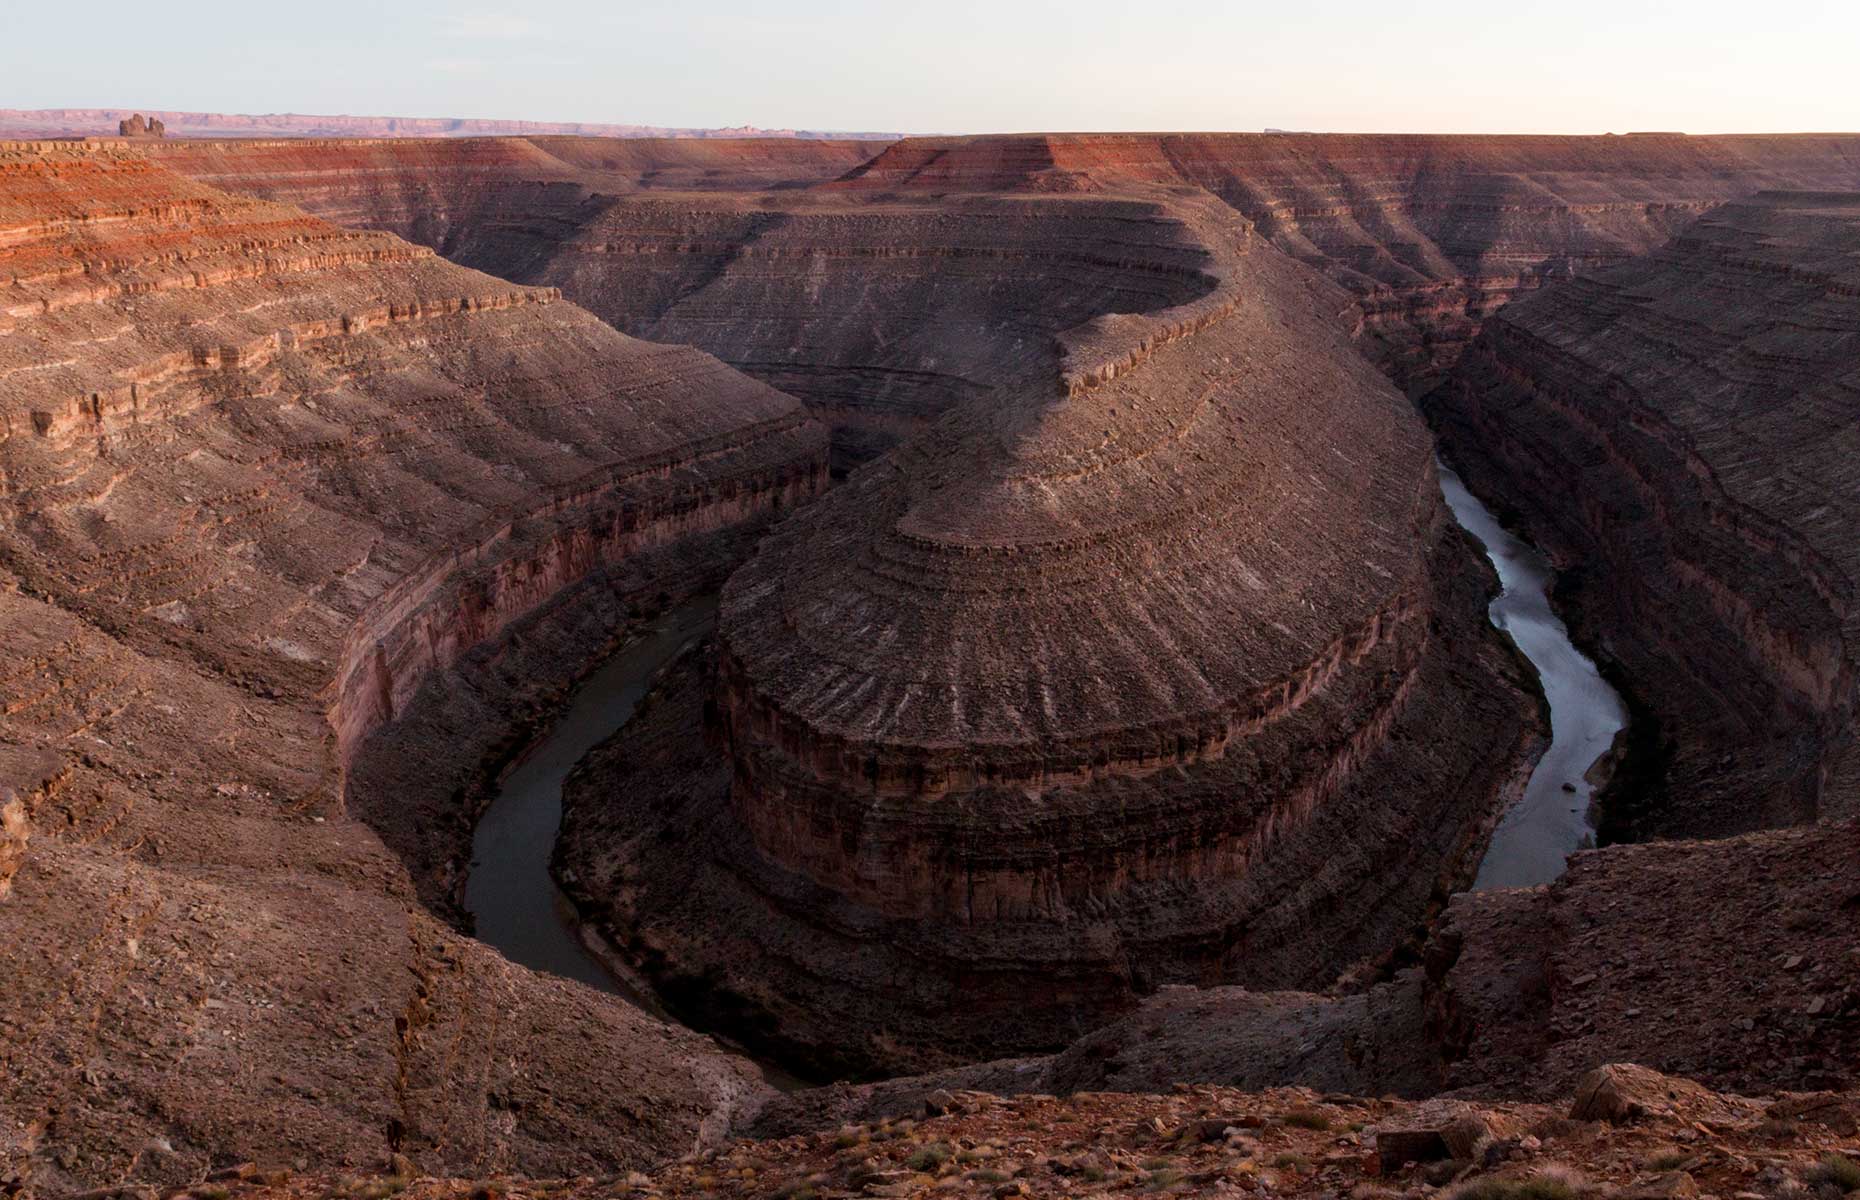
pixel 757 129
pixel 1589 67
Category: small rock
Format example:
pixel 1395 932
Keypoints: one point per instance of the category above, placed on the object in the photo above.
pixel 1464 1134
pixel 1208 1129
pixel 1674 1185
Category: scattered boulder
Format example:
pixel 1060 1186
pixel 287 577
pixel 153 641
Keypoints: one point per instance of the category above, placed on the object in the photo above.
pixel 1621 1093
pixel 1396 1148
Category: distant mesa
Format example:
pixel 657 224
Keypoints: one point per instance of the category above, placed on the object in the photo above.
pixel 136 127
pixel 97 122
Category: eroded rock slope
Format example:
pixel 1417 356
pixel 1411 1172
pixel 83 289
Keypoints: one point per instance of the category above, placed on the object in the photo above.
pixel 260 477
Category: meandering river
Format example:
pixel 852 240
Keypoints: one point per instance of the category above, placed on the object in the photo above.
pixel 519 909
pixel 510 892
pixel 1552 817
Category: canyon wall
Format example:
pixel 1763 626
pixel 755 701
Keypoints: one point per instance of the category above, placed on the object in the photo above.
pixel 1429 234
pixel 261 477
pixel 1680 429
pixel 1160 663
pixel 1518 995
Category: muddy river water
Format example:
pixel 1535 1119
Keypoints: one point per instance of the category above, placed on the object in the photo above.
pixel 510 893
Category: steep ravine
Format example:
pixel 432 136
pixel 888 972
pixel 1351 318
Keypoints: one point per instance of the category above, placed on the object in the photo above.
pixel 1680 429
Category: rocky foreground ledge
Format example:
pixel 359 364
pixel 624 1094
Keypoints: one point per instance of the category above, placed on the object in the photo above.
pixel 1626 1133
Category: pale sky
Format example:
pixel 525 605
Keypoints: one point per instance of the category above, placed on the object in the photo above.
pixel 1565 66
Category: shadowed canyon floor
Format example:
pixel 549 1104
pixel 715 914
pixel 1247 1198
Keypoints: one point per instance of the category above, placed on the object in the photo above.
pixel 1140 651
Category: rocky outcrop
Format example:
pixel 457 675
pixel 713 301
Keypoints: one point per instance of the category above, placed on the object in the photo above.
pixel 1113 677
pixel 1677 429
pixel 261 477
pixel 1520 994
pixel 137 127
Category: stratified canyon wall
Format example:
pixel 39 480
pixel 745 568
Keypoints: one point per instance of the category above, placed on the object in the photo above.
pixel 261 476
pixel 1156 660
pixel 1682 429
pixel 1429 234
pixel 1519 994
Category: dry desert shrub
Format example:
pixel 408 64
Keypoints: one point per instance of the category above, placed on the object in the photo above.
pixel 1839 1170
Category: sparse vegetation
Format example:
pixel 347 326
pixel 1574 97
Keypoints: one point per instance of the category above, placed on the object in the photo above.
pixel 1292 1162
pixel 1157 1181
pixel 1308 1118
pixel 1549 1184
pixel 1668 1160
pixel 930 1157
pixel 1839 1170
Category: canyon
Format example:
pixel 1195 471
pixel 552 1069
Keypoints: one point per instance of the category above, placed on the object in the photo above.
pixel 266 481
pixel 1100 683
pixel 1695 409
pixel 1101 697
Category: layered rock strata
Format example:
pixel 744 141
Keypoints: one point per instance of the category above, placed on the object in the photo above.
pixel 1171 669
pixel 1680 428
pixel 260 477
pixel 1519 994
pixel 1429 234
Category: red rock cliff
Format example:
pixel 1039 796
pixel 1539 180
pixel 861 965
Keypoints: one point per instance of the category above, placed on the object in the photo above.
pixel 260 475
